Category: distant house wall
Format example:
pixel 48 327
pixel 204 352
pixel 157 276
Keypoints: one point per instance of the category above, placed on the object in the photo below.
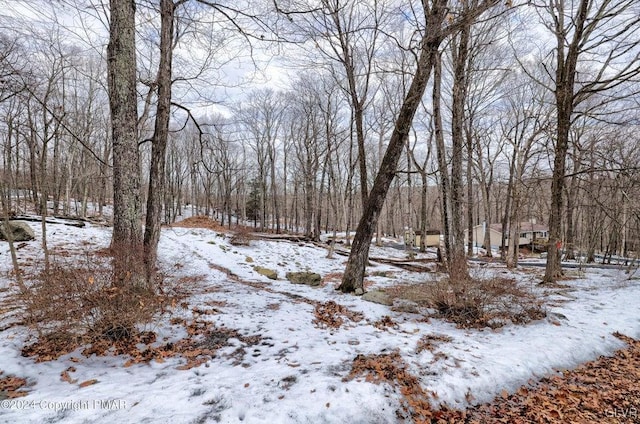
pixel 478 236
pixel 526 236
pixel 432 240
pixel 540 237
pixel 412 238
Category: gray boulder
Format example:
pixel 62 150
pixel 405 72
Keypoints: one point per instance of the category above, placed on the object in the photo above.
pixel 20 231
pixel 309 278
pixel 378 296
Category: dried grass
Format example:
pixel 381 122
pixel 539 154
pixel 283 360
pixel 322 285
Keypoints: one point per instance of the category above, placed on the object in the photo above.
pixel 475 303
pixel 79 301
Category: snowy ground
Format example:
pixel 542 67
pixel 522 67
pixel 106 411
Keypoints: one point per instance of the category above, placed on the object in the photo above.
pixel 296 374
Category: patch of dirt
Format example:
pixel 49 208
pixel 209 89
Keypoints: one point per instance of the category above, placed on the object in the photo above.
pixel 602 391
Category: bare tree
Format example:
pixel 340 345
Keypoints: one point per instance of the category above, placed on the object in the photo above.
pixel 524 122
pixel 261 116
pixel 10 87
pixel 160 137
pixel 596 50
pixel 436 29
pixel 349 35
pixel 127 236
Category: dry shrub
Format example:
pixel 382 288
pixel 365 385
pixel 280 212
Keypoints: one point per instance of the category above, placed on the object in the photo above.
pixel 242 236
pixel 73 303
pixel 476 303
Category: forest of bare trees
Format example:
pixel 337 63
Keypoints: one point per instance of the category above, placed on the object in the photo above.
pixel 329 116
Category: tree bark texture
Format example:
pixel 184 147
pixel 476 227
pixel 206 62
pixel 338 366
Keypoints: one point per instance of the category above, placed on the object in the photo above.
pixel 457 260
pixel 564 96
pixel 121 51
pixel 159 140
pixel 445 181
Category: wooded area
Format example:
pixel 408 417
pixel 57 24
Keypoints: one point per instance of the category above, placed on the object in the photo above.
pixel 379 116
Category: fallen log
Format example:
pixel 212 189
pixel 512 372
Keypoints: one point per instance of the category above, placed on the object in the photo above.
pixel 78 224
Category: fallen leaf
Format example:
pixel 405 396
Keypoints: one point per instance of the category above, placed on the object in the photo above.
pixel 88 383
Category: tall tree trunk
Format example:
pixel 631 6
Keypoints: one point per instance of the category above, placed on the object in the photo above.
pixel 423 211
pixel 458 269
pixel 445 182
pixel 354 273
pixel 127 228
pixel 572 195
pixel 566 62
pixel 514 224
pixel 5 199
pixel 470 241
pixel 507 208
pixel 274 187
pixel 159 141
pixel 362 156
pixel 485 191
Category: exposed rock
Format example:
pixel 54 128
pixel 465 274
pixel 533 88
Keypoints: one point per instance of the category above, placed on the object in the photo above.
pixel 359 291
pixel 269 273
pixel 249 259
pixel 19 230
pixel 378 296
pixel 557 316
pixel 308 278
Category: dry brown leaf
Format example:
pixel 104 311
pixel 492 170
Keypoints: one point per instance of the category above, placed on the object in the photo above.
pixel 88 383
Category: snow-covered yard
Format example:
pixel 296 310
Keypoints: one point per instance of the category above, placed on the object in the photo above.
pixel 296 372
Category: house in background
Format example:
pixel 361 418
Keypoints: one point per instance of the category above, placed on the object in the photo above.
pixel 412 238
pixel 531 234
